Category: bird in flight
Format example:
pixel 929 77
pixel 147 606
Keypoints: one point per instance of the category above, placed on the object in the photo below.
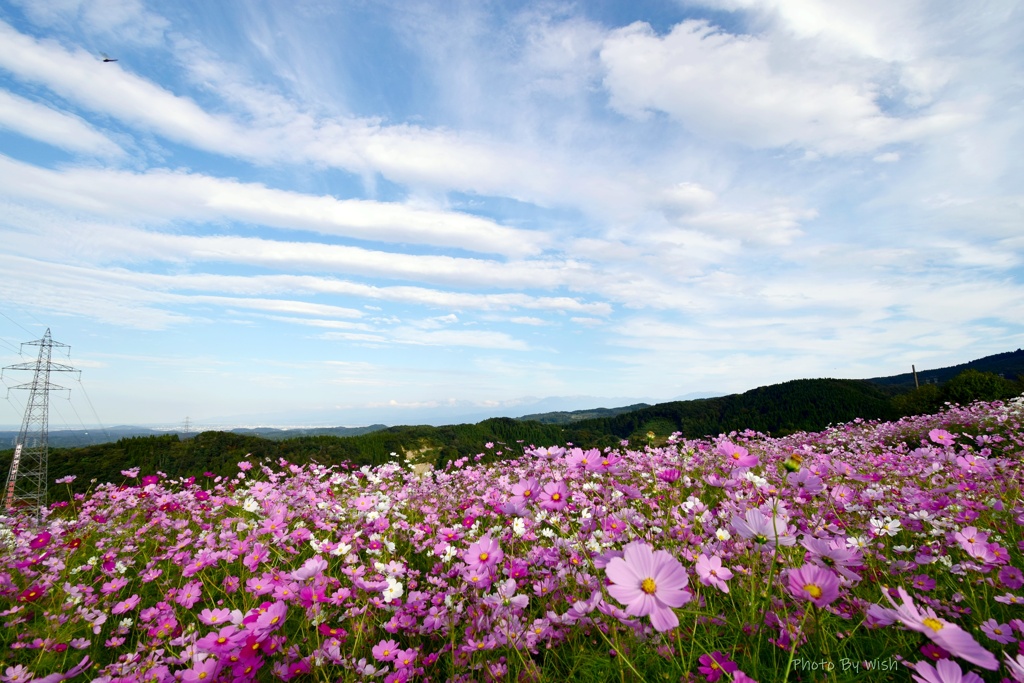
pixel 106 57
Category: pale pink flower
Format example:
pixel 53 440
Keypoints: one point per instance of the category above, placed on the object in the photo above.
pixel 712 573
pixel 649 582
pixel 943 633
pixel 944 671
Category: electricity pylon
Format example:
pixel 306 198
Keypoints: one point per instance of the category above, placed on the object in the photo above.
pixel 26 482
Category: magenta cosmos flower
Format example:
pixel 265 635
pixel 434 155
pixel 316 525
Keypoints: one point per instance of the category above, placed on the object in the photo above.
pixel 814 583
pixel 648 582
pixel 949 636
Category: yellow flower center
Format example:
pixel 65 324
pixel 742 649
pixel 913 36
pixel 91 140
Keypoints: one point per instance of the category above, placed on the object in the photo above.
pixel 202 675
pixel 527 493
pixel 648 586
pixel 483 557
pixel 813 590
pixel 556 496
pixel 933 624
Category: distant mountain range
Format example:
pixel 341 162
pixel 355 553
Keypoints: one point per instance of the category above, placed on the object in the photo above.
pixel 699 409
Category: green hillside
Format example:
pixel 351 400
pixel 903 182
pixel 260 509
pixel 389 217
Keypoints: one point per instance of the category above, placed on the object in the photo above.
pixel 799 405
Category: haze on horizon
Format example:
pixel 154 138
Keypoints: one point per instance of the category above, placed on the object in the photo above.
pixel 348 208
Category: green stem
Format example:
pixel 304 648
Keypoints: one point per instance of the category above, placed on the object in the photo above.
pixel 796 641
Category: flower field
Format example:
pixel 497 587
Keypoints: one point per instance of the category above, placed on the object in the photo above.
pixel 869 551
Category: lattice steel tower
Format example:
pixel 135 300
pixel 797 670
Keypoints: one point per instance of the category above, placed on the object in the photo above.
pixel 26 482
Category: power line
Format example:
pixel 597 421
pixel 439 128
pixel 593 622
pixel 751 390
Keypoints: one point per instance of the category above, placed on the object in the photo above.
pixel 16 323
pixel 94 413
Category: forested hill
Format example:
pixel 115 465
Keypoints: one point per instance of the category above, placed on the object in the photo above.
pixel 799 405
pixel 1009 365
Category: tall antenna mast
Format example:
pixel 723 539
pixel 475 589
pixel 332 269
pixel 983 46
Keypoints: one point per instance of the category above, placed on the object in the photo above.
pixel 26 482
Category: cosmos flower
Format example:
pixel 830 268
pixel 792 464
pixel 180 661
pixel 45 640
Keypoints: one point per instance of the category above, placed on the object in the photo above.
pixel 944 671
pixel 833 554
pixel 764 530
pixel 712 573
pixel 554 495
pixel 648 582
pixel 714 665
pixel 385 651
pixel 814 583
pixel 1016 667
pixel 1001 633
pixel 945 634
pixel 525 492
pixel 736 456
pixel 40 541
pixel 484 553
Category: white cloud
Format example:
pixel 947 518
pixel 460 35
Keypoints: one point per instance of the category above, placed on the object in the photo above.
pixel 59 129
pixel 164 196
pixel 735 87
pixel 120 21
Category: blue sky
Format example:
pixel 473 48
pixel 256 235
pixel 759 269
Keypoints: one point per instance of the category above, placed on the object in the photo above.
pixel 356 211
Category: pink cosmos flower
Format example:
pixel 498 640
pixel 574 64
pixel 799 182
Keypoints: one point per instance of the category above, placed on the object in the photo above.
pixel 126 605
pixel 949 636
pixel 1016 667
pixel 406 658
pixel 670 475
pixel 314 566
pixel 386 651
pixel 202 672
pixel 222 642
pixel 941 437
pixel 484 553
pixel 843 495
pixel 944 671
pixel 805 482
pixel 364 503
pixel 215 617
pixel 764 530
pixel 554 495
pixel 814 583
pixel 1001 633
pixel 736 456
pixel 189 594
pixel 834 555
pixel 970 535
pixel 525 492
pixel 712 573
pixel 648 582
pixel 270 620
